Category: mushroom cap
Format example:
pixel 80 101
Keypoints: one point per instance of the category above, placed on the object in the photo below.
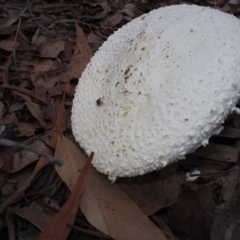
pixel 157 89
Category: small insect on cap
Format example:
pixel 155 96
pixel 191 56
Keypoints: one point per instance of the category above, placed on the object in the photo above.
pixel 157 89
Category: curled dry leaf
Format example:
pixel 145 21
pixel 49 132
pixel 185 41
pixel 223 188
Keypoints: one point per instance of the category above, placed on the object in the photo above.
pixel 34 108
pixel 130 9
pixel 51 48
pixel 103 203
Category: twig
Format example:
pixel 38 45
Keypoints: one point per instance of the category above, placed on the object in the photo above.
pixel 23 90
pixel 15 40
pixel 10 143
pixel 40 25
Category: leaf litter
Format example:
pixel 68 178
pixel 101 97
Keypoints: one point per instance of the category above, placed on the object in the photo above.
pixel 44 48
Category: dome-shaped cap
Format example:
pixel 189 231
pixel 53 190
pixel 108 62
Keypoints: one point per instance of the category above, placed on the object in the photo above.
pixel 157 89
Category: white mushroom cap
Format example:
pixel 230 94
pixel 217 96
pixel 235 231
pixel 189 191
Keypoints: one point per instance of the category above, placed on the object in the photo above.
pixel 157 89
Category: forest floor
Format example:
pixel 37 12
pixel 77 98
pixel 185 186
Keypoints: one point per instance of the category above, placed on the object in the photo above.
pixel 44 48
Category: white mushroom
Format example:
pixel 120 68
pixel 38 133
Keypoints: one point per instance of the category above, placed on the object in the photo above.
pixel 157 89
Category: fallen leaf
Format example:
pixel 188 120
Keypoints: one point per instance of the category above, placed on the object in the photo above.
pixel 68 51
pixel 81 57
pixel 61 117
pixel 234 2
pixel 7 22
pixel 24 158
pixel 229 183
pixel 34 108
pixel 16 106
pixel 57 228
pixel 226 218
pixel 41 67
pixel 94 41
pixel 191 217
pixel 218 152
pixel 230 132
pixel 1 109
pixel 164 228
pixel 9 45
pixel 130 9
pixel 112 20
pixel 103 203
pixel 51 48
pixel 35 214
pixel 37 39
pixel 23 90
pixel 144 190
pixel 26 25
pixel 26 129
pixel 6 160
pixel 20 192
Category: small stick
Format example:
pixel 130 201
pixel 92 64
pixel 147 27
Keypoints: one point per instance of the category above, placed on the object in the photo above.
pixel 10 143
pixel 15 41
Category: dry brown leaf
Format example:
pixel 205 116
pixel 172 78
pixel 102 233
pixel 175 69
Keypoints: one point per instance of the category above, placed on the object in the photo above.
pixel 1 109
pixel 130 9
pixel 24 43
pixel 218 152
pixel 7 22
pixel 20 192
pixel 6 160
pixel 34 108
pixel 93 38
pixel 25 91
pixel 144 190
pixel 9 45
pixel 82 43
pixel 24 158
pixel 37 39
pixel 230 132
pixel 51 48
pixel 226 219
pixel 68 51
pixel 103 203
pixel 192 216
pixel 61 117
pixel 112 20
pixel 26 129
pixel 16 106
pixel 80 59
pixel 41 66
pixel 35 214
pixel 164 227
pixel 58 228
